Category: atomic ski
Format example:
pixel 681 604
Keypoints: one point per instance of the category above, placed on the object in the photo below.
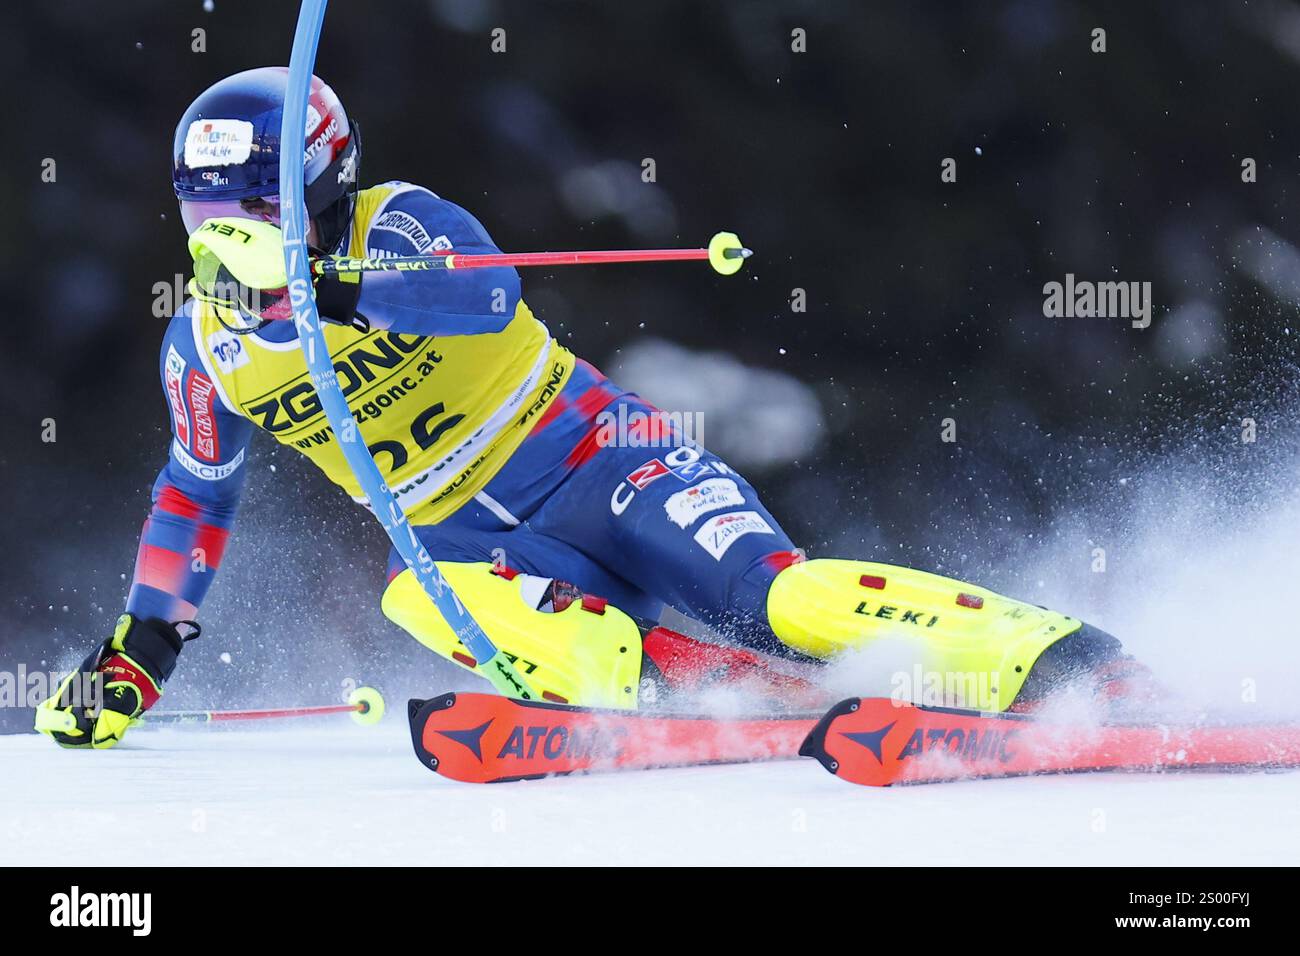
pixel 484 738
pixel 878 742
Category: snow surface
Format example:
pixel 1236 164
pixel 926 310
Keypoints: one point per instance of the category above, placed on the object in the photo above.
pixel 1199 582
pixel 339 794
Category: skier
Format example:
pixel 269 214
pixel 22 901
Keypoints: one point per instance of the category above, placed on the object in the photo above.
pixel 561 543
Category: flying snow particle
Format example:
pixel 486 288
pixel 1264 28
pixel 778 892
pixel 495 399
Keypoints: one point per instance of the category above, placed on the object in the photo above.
pixel 224 656
pixel 208 6
pixel 978 151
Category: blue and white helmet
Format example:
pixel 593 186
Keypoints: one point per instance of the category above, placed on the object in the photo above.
pixel 226 155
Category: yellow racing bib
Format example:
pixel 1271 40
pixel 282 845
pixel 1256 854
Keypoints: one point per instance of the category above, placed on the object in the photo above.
pixel 440 414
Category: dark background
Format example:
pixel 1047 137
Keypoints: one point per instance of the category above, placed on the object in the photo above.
pixel 924 298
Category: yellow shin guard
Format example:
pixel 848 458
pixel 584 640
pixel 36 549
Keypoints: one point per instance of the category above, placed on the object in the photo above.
pixel 588 654
pixel 984 642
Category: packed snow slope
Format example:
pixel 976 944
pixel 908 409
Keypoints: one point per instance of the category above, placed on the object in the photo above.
pixel 334 793
pixel 1190 558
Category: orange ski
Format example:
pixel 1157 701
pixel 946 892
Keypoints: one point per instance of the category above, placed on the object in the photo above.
pixel 878 742
pixel 484 738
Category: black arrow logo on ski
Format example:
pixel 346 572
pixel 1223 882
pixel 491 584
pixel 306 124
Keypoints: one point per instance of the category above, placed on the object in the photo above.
pixel 873 740
pixel 471 740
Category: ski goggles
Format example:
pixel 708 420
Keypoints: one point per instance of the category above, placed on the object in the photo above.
pixel 195 212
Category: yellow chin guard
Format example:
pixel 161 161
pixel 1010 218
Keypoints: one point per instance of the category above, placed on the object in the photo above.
pixel 252 251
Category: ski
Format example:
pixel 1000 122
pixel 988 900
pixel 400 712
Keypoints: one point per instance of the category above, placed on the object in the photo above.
pixel 485 738
pixel 878 742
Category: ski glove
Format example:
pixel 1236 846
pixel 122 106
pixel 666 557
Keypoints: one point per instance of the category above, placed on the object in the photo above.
pixel 239 267
pixel 115 684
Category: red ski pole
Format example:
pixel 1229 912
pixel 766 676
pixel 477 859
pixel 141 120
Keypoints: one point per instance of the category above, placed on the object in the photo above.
pixel 365 704
pixel 724 253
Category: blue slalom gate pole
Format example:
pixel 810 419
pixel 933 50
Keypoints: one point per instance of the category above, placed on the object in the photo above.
pixel 492 664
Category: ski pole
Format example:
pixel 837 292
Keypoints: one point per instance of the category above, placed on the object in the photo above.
pixel 724 252
pixel 497 667
pixel 365 704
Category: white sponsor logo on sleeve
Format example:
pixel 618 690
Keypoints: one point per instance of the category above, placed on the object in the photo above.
pixel 228 350
pixel 711 495
pixel 205 472
pixel 173 373
pixel 175 362
pixel 218 142
pixel 404 224
pixel 717 534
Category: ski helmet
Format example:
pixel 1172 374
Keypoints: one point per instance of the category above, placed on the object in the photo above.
pixel 226 155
